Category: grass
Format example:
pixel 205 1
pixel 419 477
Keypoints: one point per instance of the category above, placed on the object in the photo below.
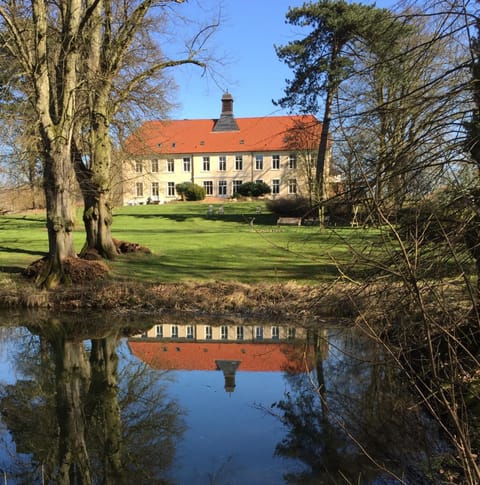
pixel 189 244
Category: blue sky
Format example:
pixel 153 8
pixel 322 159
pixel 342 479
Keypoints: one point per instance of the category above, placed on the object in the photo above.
pixel 252 72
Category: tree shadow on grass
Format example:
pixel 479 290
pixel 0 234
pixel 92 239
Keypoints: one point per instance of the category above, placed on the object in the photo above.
pixel 262 219
pixel 5 249
pixel 12 269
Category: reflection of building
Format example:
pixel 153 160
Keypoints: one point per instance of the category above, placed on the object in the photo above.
pixel 227 332
pixel 267 348
pixel 219 155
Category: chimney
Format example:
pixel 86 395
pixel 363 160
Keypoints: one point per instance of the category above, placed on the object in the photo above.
pixel 226 122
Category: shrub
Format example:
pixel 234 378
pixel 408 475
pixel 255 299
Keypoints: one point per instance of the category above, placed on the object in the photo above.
pixel 253 189
pixel 190 191
pixel 340 211
pixel 289 206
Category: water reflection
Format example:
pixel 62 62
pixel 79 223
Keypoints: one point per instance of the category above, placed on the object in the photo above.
pixel 71 421
pixel 250 402
pixel 229 347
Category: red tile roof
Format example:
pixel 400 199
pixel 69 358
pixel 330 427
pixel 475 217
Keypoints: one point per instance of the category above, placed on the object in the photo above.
pixel 196 136
pixel 202 355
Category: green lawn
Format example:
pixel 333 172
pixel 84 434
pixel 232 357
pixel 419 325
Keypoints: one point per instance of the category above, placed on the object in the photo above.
pixel 189 244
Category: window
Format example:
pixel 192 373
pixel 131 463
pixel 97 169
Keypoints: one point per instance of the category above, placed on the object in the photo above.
pixel 258 162
pixel 171 165
pixel 171 189
pixel 159 331
pixel 239 333
pixel 259 333
pixel 292 161
pixel 292 186
pixel 138 167
pixel 155 189
pixel 139 189
pixel 174 333
pixel 208 332
pixel 275 186
pixel 222 163
pixel 276 162
pixel 208 186
pixel 291 333
pixel 275 333
pixel 189 331
pixel 206 164
pixel 222 187
pixel 236 184
pixel 224 332
pixel 154 165
pixel 239 162
pixel 186 164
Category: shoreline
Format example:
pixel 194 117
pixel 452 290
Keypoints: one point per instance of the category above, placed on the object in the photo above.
pixel 276 300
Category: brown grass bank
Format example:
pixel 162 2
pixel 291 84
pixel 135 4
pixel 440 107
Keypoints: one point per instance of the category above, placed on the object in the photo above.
pixel 288 300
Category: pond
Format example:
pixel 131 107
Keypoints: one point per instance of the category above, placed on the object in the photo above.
pixel 191 401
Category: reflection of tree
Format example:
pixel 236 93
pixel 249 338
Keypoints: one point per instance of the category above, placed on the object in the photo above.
pixel 347 419
pixel 75 420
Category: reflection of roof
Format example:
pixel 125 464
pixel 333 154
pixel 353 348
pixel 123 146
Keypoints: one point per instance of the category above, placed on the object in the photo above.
pixel 202 355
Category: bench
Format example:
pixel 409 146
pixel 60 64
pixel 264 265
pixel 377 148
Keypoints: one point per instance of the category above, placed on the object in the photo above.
pixel 289 221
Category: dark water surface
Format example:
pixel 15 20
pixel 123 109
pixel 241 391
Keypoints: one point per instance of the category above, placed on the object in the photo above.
pixel 185 401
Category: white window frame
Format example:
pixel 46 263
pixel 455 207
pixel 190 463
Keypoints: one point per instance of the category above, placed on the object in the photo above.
pixel 292 186
pixel 208 332
pixel 206 164
pixel 187 164
pixel 222 163
pixel 275 162
pixel 292 161
pixel 222 187
pixel 275 332
pixel 258 162
pixel 240 333
pixel 208 186
pixel 275 186
pixel 224 332
pixel 159 331
pixel 170 165
pixel 189 331
pixel 238 163
pixel 139 167
pixel 139 189
pixel 258 333
pixel 155 189
pixel 174 331
pixel 235 185
pixel 155 165
pixel 170 189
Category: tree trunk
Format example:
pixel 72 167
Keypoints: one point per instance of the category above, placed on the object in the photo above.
pixel 58 185
pixel 95 186
pixel 103 397
pixel 72 371
pixel 322 158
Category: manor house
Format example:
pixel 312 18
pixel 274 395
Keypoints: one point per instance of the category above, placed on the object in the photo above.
pixel 221 154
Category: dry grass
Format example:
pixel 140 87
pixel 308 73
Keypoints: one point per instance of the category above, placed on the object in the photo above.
pixel 286 301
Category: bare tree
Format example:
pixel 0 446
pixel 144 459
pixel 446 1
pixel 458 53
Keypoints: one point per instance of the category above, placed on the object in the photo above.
pixel 119 59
